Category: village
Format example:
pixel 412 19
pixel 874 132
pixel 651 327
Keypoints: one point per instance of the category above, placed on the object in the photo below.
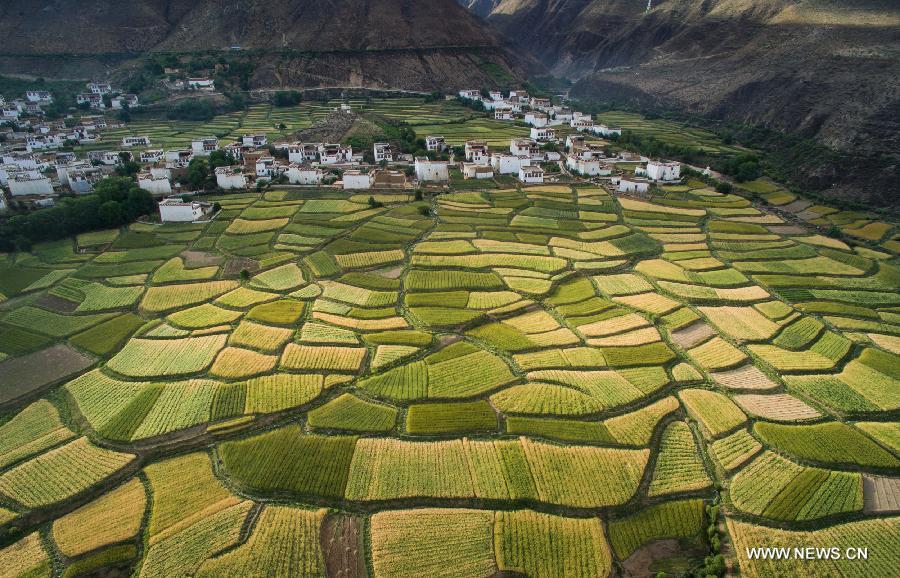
pixel 38 162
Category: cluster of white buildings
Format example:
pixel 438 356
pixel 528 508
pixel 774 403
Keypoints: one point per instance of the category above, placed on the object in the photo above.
pixel 32 104
pixel 539 113
pixel 102 95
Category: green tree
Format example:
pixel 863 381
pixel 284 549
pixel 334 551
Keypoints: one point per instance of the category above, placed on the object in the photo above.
pixel 110 213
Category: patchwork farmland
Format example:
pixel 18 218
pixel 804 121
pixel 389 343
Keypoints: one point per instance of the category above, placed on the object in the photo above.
pixel 538 381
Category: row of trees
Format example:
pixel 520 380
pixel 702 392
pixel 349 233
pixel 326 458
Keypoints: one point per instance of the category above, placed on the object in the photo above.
pixel 117 201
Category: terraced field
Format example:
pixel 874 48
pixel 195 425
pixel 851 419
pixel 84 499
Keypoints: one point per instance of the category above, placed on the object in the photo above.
pixel 278 122
pixel 547 381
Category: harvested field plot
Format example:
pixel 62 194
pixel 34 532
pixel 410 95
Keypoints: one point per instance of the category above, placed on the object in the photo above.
pixel 24 375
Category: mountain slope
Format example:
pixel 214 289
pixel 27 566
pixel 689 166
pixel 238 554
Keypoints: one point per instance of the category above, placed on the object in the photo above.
pixel 398 43
pixel 820 68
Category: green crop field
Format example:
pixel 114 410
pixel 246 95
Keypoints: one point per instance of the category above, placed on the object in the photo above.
pixel 501 380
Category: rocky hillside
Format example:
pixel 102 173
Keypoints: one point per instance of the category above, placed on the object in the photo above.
pixel 820 68
pixel 378 43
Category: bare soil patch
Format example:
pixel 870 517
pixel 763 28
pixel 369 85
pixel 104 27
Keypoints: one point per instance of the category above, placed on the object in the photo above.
pixel 392 273
pixel 234 266
pixel 881 494
pixel 196 259
pixel 638 565
pixel 776 407
pixel 797 206
pixel 746 377
pixel 342 544
pixel 787 229
pixel 55 303
pixel 693 335
pixel 29 373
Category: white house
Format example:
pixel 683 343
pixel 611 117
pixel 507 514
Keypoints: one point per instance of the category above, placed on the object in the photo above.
pixel 266 168
pixel 383 152
pixel 63 169
pixel 633 185
pixel 587 151
pixel 155 185
pixel 581 124
pixel 303 152
pixel 503 113
pixel 518 96
pixel 495 95
pixel 108 158
pixel 335 154
pixel 603 130
pixel 10 113
pixel 174 210
pixel 540 103
pixel 82 181
pixel 508 163
pixel 562 115
pixel 543 134
pixel 23 184
pixel 574 140
pixel 531 174
pixel 135 141
pixel 205 146
pixel 2 202
pixel 590 167
pixel 298 174
pixel 660 171
pixel 536 119
pixel 435 143
pixel 255 140
pixel 470 94
pixel 357 180
pixel 95 100
pixel 477 152
pixel 525 147
pixel 38 96
pixel 123 100
pixel 477 171
pixel 179 159
pixel 205 84
pixel 35 142
pixel 437 171
pixel 151 155
pixel 161 172
pixel 99 88
pixel 229 178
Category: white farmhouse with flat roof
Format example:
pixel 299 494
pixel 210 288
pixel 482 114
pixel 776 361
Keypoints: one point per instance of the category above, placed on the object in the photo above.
pixel 230 178
pixel 298 174
pixel 24 184
pixel 476 171
pixel 435 171
pixel 154 184
pixel 254 140
pixel 508 163
pixel 354 180
pixel 205 146
pixel 633 185
pixel 435 143
pixel 536 119
pixel 660 171
pixel 383 152
pixel 135 141
pixel 175 210
pixel 543 134
pixel 531 174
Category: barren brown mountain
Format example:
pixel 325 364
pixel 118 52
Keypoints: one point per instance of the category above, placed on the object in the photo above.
pixel 376 43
